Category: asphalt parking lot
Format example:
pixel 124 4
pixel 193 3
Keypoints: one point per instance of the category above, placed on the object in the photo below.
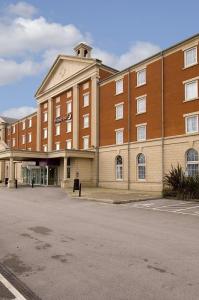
pixel 59 249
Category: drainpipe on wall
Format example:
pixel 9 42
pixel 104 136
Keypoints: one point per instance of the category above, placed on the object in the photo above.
pixel 98 131
pixel 129 128
pixel 162 117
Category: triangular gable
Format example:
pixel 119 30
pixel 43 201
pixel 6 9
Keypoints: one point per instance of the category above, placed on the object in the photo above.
pixel 63 68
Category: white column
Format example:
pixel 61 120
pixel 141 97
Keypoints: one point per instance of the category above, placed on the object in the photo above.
pixel 11 182
pixel 76 117
pixel 2 170
pixel 50 123
pixel 39 127
pixel 64 179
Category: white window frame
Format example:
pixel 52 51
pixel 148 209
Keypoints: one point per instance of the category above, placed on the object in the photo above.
pixel 13 129
pixel 119 89
pixel 186 123
pixel 119 169
pixel 30 123
pixel 57 111
pixel 86 99
pixel 117 131
pixel 23 125
pixel 45 148
pixel 29 137
pixel 13 142
pixel 57 146
pixel 86 123
pixel 140 83
pixel 57 129
pixel 69 104
pixel 84 139
pixel 141 165
pixel 45 116
pixel 138 127
pixel 139 99
pixel 117 107
pixel 185 89
pixel 45 133
pixel 185 57
pixel 68 127
pixel 23 139
pixel 69 142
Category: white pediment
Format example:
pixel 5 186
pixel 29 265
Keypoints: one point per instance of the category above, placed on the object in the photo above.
pixel 63 68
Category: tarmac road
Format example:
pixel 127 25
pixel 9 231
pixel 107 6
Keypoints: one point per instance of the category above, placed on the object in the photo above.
pixel 73 249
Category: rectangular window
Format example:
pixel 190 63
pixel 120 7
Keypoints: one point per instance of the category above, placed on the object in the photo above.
pixel 68 144
pixel 119 111
pixel 191 124
pixel 29 149
pixel 190 57
pixel 13 142
pixel 57 129
pixel 45 147
pixel 23 125
pixel 119 136
pixel 13 129
pixel 57 112
pixel 30 123
pixel 45 133
pixel 141 105
pixel 57 146
pixel 45 116
pixel 141 133
pixel 86 86
pixel 69 107
pixel 68 126
pixel 23 139
pixel 191 90
pixel 57 100
pixel 85 142
pixel 141 77
pixel 86 100
pixel 119 86
pixel 86 121
pixel 29 138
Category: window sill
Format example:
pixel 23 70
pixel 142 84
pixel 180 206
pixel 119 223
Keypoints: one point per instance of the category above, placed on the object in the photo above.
pixel 141 140
pixel 141 180
pixel 116 94
pixel 120 180
pixel 140 113
pixel 140 85
pixel 192 133
pixel 116 119
pixel 187 67
pixel 194 99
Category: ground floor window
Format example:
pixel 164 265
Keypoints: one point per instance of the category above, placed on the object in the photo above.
pixel 192 162
pixel 141 166
pixel 119 168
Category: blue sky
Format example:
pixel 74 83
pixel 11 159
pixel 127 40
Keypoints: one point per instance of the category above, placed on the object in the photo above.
pixel 32 33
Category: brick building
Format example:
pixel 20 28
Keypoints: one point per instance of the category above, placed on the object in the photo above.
pixel 115 129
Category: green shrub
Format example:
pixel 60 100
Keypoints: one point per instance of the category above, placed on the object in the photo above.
pixel 184 187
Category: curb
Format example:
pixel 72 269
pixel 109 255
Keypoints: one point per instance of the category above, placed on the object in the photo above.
pixel 111 201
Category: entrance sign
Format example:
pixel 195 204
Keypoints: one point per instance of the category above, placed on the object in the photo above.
pixel 62 119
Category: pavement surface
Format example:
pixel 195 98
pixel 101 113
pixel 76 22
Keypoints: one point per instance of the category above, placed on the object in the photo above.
pixel 63 248
pixel 112 196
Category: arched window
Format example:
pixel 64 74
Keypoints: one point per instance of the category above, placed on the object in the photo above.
pixel 192 162
pixel 141 166
pixel 119 167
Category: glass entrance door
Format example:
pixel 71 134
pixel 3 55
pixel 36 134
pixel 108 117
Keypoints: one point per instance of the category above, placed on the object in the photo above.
pixel 42 175
pixel 52 175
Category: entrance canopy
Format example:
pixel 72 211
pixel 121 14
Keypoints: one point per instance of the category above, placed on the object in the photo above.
pixel 22 155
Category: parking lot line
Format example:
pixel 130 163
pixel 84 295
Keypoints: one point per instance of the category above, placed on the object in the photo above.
pixel 192 207
pixel 11 288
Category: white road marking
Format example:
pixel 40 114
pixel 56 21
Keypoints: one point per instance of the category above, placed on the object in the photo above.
pixel 186 208
pixel 11 288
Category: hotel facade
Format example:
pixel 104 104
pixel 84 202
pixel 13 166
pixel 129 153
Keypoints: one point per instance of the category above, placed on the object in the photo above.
pixel 113 129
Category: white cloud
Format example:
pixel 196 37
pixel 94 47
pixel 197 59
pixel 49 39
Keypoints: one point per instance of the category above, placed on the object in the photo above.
pixel 22 9
pixel 30 44
pixel 18 112
pixel 12 71
pixel 137 52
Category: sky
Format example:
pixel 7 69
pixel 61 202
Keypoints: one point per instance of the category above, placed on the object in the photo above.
pixel 33 33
